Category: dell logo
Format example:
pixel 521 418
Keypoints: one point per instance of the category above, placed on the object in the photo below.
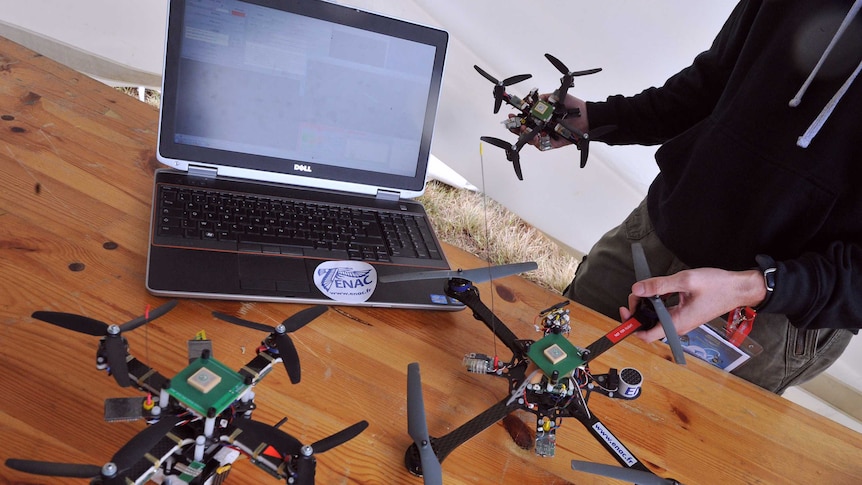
pixel 302 168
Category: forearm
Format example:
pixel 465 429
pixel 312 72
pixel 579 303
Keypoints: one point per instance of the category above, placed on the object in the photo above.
pixel 657 114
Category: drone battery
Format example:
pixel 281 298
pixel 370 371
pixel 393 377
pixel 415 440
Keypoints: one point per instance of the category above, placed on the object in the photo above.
pixel 124 409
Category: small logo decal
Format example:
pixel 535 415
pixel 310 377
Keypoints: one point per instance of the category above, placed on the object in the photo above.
pixel 346 281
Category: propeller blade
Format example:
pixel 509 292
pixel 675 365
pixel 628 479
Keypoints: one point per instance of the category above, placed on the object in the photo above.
pixel 584 145
pixel 143 442
pixel 505 82
pixel 499 91
pixel 243 323
pixel 159 311
pixel 669 330
pixel 500 86
pixel 338 438
pixel 585 139
pixel 283 343
pixel 585 72
pixel 565 70
pixel 513 156
pixel 46 468
pixel 626 474
pixel 259 433
pixel 76 323
pixel 511 152
pixel 515 79
pixel 496 142
pixel 417 427
pixel 486 75
pixel 478 275
pixel 303 318
pixel 289 356
pixel 642 272
pixel 115 350
pixel 557 63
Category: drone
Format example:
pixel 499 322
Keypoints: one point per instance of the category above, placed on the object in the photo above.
pixel 539 117
pixel 199 420
pixel 549 378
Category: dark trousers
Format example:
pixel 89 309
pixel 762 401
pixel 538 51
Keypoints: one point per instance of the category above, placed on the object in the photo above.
pixel 790 356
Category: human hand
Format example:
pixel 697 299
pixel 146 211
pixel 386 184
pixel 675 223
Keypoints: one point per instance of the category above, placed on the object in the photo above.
pixel 704 294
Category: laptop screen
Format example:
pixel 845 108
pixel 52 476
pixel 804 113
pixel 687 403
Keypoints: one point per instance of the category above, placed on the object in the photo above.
pixel 305 88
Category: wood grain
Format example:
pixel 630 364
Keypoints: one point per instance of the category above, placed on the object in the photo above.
pixel 76 168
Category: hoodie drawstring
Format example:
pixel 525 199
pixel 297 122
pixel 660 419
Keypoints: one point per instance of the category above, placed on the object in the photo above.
pixel 818 122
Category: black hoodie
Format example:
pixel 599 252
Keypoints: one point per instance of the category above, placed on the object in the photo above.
pixel 735 180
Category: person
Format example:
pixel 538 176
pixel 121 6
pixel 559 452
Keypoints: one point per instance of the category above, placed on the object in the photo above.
pixel 756 203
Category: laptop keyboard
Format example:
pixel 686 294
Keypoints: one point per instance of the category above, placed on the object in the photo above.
pixel 210 219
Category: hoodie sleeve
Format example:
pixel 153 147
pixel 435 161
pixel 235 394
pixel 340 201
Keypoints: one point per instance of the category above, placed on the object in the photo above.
pixel 819 290
pixel 658 114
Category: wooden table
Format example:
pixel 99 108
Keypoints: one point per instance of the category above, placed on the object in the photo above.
pixel 76 167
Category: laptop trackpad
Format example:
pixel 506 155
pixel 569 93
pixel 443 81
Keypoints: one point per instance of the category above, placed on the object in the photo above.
pixel 275 273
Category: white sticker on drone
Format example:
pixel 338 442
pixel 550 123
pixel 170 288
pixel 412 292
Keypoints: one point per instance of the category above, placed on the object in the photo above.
pixel 612 441
pixel 346 281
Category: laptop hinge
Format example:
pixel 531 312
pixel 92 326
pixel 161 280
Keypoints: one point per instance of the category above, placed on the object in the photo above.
pixel 388 195
pixel 206 172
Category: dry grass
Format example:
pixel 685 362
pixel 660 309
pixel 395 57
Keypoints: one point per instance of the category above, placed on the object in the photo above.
pixel 483 227
pixel 151 97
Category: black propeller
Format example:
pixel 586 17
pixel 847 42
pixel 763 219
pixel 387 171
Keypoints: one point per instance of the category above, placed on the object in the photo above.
pixel 69 470
pixel 511 152
pixel 110 473
pixel 305 464
pixel 567 80
pixel 283 343
pixel 500 86
pixel 478 275
pixel 620 473
pixel 115 344
pixel 417 427
pixel 642 272
pixel 583 142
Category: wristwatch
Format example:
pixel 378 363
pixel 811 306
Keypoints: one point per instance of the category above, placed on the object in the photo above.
pixel 768 268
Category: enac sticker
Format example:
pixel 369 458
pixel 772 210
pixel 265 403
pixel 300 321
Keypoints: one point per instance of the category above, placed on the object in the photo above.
pixel 346 281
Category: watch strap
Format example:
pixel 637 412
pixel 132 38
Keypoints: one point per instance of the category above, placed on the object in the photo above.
pixel 769 270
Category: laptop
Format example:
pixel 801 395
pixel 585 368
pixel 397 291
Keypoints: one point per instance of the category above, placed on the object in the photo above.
pixel 296 136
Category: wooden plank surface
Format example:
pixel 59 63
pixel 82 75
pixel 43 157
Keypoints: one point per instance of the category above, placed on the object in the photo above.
pixel 76 171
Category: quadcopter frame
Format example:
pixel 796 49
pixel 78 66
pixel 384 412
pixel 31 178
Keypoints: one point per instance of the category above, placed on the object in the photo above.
pixel 538 117
pixel 200 420
pixel 531 397
pixel 564 382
